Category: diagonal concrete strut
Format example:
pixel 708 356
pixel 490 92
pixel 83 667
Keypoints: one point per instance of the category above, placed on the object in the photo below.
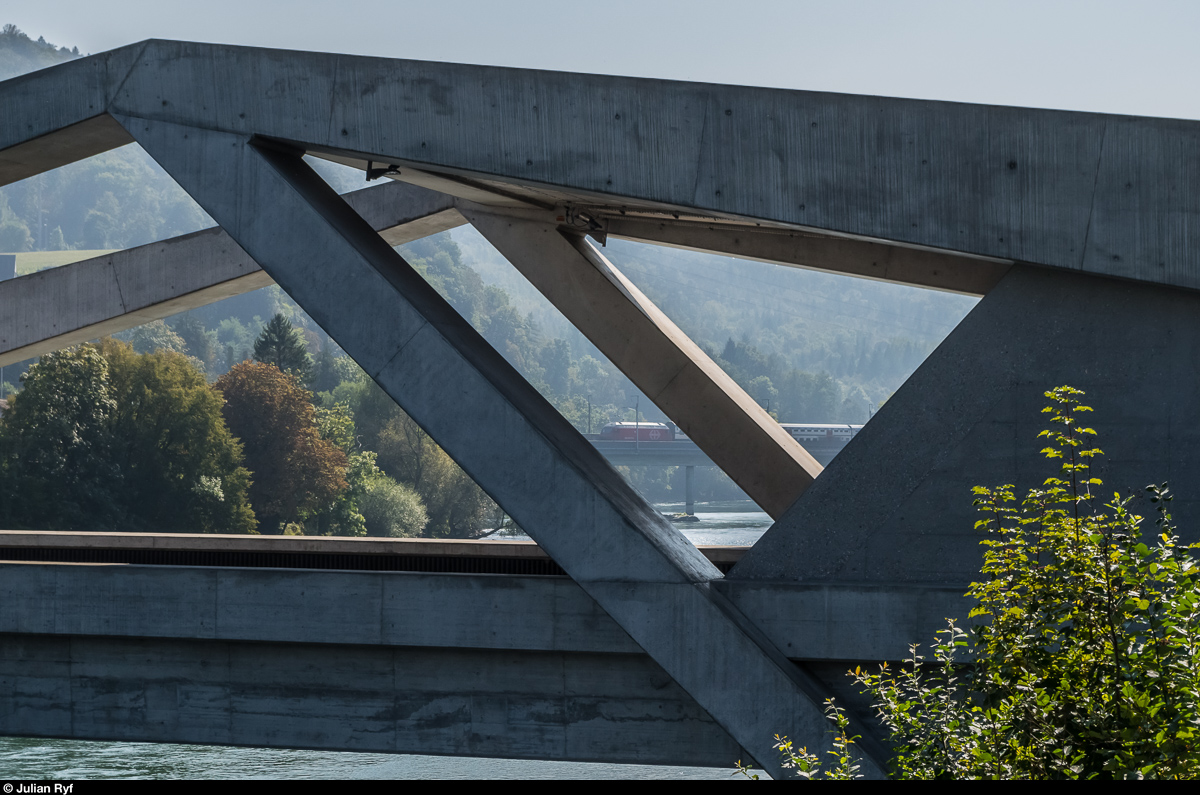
pixel 658 357
pixel 645 574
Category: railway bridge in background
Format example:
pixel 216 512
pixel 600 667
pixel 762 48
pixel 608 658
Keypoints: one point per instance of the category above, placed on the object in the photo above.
pixel 1077 229
pixel 687 454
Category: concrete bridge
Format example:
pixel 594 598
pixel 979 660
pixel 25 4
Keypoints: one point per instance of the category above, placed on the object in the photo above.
pixel 1075 228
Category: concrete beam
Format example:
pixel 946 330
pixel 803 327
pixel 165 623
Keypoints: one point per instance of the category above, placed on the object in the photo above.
pixel 462 647
pixel 301 545
pixel 53 117
pixel 64 306
pixel 507 437
pixel 60 307
pixel 459 611
pixel 879 261
pixel 1076 191
pixel 662 361
pixel 319 545
pixel 342 608
pixel 1079 191
pixel 71 144
pixel 523 705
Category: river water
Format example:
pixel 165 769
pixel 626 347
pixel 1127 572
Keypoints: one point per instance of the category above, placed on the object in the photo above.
pixel 729 523
pixel 25 759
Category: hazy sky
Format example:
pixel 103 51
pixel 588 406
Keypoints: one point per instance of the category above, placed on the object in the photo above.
pixel 1118 57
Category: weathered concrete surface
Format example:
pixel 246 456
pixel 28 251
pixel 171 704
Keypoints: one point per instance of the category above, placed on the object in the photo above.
pixel 1103 194
pixel 489 419
pixel 464 611
pixel 895 505
pixel 327 545
pixel 322 545
pixel 486 611
pixel 64 306
pixel 384 661
pixel 536 705
pixel 662 361
pixel 877 261
pixel 71 144
pixel 56 117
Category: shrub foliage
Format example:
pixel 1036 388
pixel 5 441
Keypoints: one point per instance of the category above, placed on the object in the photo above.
pixel 1084 659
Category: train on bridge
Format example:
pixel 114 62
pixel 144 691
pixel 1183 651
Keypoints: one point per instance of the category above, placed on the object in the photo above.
pixel 807 434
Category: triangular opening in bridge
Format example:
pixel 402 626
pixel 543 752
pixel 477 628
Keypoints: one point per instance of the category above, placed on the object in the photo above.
pixel 110 202
pixel 116 200
pixel 811 347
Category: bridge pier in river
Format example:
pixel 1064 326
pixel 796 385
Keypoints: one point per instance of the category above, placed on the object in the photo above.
pixel 1074 227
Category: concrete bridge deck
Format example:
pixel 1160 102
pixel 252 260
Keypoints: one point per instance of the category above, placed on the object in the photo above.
pixel 276 650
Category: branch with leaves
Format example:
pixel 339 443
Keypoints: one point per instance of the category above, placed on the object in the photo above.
pixel 1083 663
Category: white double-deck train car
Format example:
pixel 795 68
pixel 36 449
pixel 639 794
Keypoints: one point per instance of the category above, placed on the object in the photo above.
pixel 821 434
pixel 811 434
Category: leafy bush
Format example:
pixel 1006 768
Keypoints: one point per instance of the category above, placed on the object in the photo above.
pixel 1085 661
pixel 808 765
pixel 391 509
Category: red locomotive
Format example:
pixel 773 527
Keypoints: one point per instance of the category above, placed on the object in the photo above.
pixel 638 431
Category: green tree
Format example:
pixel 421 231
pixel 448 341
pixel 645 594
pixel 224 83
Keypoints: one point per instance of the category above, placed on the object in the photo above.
pixel 556 363
pixel 341 516
pixel 1083 664
pixel 283 346
pixel 153 336
pixel 101 227
pixel 103 437
pixel 456 506
pixel 201 343
pixel 294 470
pixel 325 375
pixel 181 468
pixel 15 236
pixel 335 423
pixel 57 242
pixel 56 471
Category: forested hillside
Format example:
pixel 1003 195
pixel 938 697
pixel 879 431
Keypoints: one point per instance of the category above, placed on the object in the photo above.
pixel 810 347
pixel 20 54
pixel 115 200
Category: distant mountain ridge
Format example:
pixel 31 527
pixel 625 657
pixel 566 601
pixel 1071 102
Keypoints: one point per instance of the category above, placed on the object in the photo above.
pixel 20 54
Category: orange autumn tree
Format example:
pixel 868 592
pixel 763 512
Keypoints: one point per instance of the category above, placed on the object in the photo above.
pixel 293 469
